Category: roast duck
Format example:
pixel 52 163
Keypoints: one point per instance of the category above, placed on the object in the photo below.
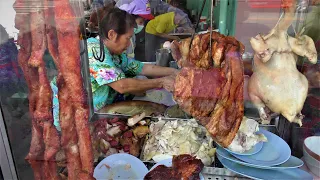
pixel 276 85
pixel 211 89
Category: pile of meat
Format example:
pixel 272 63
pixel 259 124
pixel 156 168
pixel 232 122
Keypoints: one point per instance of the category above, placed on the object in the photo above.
pixel 52 25
pixel 111 136
pixel 211 89
pixel 183 167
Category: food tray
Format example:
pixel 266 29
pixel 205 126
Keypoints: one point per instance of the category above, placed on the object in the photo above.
pixel 214 172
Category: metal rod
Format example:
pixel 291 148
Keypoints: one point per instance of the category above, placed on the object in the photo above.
pixel 196 28
pixel 223 17
pixel 7 165
pixel 211 19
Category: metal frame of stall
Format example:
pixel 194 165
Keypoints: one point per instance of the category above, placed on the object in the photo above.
pixel 6 159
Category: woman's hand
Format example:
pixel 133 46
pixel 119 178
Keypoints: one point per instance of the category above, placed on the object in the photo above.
pixel 168 82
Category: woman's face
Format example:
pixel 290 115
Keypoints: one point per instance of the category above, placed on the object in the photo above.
pixel 117 44
pixel 140 21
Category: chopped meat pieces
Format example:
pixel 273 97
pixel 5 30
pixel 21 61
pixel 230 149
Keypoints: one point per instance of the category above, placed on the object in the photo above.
pixel 183 167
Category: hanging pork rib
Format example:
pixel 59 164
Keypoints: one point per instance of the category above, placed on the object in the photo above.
pixel 52 25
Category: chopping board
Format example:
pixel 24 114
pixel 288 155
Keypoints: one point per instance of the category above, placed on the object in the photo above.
pixel 160 96
pixel 131 108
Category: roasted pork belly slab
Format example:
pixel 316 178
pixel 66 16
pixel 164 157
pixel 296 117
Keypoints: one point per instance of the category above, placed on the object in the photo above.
pixel 211 89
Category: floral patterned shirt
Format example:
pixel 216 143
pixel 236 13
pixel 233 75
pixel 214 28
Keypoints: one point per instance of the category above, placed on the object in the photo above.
pixel 113 68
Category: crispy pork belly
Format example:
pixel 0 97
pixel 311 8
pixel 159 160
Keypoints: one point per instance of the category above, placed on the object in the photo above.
pixel 211 89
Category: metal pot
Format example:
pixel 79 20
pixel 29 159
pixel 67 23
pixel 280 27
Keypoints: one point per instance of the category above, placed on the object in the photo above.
pixel 163 57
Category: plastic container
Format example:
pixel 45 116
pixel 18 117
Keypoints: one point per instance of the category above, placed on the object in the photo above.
pixel 311 154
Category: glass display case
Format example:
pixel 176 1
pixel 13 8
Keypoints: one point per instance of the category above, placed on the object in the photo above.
pixel 51 123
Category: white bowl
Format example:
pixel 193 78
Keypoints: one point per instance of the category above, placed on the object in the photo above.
pixel 311 153
pixel 120 166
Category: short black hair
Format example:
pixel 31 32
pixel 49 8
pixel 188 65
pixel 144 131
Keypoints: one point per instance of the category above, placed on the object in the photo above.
pixel 118 20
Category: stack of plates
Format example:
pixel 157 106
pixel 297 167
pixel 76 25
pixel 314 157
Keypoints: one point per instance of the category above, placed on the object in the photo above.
pixel 268 160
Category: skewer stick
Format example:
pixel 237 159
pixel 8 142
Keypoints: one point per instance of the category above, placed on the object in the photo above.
pixel 211 17
pixel 196 28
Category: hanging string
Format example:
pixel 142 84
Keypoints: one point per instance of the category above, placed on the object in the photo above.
pixel 101 55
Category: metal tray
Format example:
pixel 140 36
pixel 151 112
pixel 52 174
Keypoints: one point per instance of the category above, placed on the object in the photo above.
pixel 215 172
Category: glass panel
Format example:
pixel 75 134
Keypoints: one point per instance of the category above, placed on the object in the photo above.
pixel 19 113
pixel 14 93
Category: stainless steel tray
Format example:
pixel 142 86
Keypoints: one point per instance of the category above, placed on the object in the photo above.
pixel 214 173
pixel 209 173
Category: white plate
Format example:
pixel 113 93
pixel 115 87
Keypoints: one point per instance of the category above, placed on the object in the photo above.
pixel 293 162
pixel 255 173
pixel 168 163
pixel 254 150
pixel 120 166
pixel 274 152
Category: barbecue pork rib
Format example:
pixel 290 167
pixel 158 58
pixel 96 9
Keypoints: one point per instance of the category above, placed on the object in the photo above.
pixel 52 25
pixel 32 40
pixel 67 28
pixel 211 89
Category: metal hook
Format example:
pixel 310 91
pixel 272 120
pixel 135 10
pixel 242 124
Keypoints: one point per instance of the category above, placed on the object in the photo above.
pixel 196 28
pixel 102 53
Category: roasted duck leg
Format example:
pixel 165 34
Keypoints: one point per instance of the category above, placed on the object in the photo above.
pixel 276 84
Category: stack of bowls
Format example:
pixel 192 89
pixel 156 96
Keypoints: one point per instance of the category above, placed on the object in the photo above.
pixel 311 154
pixel 268 160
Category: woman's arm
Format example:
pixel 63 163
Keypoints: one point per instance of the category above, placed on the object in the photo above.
pixel 131 85
pixel 157 71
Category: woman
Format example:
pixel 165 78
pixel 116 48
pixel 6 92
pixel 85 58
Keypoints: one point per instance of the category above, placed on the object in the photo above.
pixel 116 69
pixel 181 5
pixel 11 79
pixel 140 9
pixel 111 72
pixel 157 30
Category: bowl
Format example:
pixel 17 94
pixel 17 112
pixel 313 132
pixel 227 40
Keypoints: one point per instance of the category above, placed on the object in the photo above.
pixel 311 153
pixel 120 166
